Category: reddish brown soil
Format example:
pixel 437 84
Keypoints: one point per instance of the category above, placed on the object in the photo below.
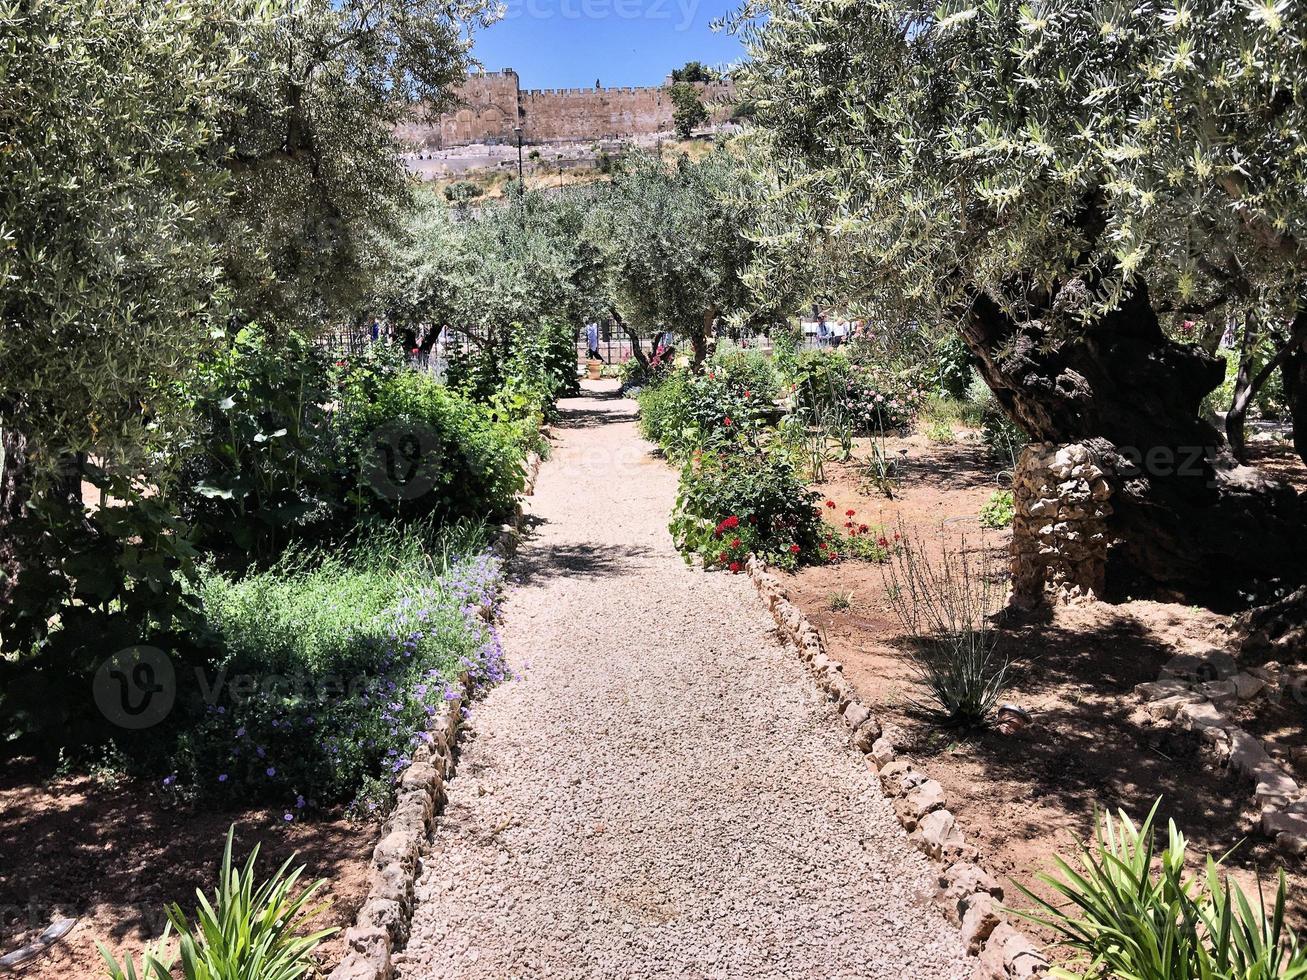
pixel 1025 797
pixel 113 855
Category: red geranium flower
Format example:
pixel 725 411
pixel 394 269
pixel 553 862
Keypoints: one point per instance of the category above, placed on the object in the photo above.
pixel 735 568
pixel 728 421
pixel 850 512
pixel 735 543
pixel 748 394
pixel 794 549
pixel 830 504
pixel 724 558
pixel 882 542
pixel 863 529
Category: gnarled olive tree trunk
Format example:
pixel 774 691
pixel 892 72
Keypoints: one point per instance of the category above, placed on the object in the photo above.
pixel 1185 518
pixel 13 466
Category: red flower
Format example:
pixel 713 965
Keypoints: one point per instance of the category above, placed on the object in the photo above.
pixel 830 504
pixel 794 549
pixel 731 523
pixel 821 545
pixel 735 568
pixel 863 529
pixel 735 543
pixel 728 421
pixel 849 513
pixel 882 542
pixel 724 558
pixel 896 535
pixel 748 394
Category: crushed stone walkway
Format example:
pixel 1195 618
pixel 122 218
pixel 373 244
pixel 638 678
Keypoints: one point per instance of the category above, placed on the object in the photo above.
pixel 663 793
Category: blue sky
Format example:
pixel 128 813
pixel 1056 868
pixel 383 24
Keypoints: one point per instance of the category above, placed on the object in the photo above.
pixel 571 43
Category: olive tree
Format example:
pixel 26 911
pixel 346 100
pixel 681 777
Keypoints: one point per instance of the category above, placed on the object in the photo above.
pixel 1067 184
pixel 316 179
pixel 675 243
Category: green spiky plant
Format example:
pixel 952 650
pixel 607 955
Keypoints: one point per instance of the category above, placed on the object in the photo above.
pixel 1133 913
pixel 247 932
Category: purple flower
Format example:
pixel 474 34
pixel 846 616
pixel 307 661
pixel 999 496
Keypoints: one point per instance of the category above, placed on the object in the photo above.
pixel 272 771
pixel 288 817
pixel 222 778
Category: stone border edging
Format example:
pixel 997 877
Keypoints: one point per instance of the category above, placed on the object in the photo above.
pixel 969 895
pixel 1195 706
pixel 382 923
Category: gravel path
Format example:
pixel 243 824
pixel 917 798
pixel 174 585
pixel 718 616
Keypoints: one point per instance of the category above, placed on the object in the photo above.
pixel 664 794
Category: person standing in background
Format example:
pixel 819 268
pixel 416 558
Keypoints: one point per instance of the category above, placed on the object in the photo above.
pixel 592 341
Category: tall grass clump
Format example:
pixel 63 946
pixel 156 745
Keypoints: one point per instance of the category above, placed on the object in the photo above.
pixel 946 604
pixel 246 932
pixel 330 665
pixel 1129 911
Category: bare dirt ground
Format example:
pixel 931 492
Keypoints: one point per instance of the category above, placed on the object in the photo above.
pixel 112 855
pixel 1028 796
pixel 665 794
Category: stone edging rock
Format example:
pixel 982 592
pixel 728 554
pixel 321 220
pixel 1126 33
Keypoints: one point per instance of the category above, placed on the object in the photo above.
pixel 382 923
pixel 969 895
pixel 1183 699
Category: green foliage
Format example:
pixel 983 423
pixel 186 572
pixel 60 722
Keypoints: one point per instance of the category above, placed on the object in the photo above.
pixel 695 71
pixel 1002 436
pixel 998 511
pixel 754 498
pixel 462 191
pixel 718 409
pixel 328 665
pixel 248 930
pixel 263 450
pixel 110 180
pixel 940 432
pixel 420 451
pixel 1133 912
pixel 864 397
pixel 688 110
pixel 674 242
pixel 953 366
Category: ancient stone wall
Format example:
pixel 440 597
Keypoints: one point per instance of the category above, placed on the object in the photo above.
pixel 1062 503
pixel 550 115
pixel 489 105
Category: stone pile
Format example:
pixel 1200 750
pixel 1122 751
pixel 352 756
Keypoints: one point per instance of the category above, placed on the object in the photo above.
pixel 1062 500
pixel 1182 698
pixel 969 895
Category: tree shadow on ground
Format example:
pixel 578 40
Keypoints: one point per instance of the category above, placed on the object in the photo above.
pixel 113 854
pixel 961 468
pixel 578 560
pixel 1088 750
pixel 593 418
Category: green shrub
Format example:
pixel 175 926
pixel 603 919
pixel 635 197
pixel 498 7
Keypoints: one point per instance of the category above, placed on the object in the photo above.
pixel 329 665
pixel 940 433
pixel 953 365
pixel 419 451
pixel 746 370
pixel 258 471
pixel 1131 912
pixel 998 511
pixel 247 931
pixel 734 504
pixel 867 397
pixel 715 410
